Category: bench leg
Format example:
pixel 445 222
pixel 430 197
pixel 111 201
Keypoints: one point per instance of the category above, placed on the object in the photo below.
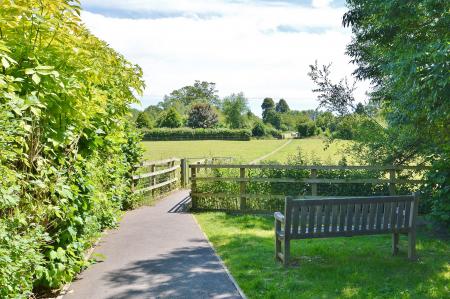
pixel 277 247
pixel 395 238
pixel 412 245
pixel 287 252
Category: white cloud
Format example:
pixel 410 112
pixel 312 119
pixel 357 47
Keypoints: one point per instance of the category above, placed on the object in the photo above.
pixel 240 47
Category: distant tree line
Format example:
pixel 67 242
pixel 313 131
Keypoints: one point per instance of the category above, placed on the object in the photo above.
pixel 198 106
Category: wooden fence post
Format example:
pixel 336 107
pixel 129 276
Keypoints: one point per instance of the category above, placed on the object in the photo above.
pixel 183 173
pixel 392 182
pixel 313 185
pixel 242 202
pixel 153 179
pixel 193 187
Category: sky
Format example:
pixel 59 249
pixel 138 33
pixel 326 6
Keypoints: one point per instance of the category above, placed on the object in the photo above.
pixel 262 48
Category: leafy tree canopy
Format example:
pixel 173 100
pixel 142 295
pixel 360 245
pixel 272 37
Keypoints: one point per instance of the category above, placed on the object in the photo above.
pixel 234 108
pixel 202 115
pixel 169 119
pixel 282 106
pixel 188 95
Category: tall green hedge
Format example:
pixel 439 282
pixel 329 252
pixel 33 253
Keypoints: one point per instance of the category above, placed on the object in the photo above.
pixel 66 147
pixel 196 134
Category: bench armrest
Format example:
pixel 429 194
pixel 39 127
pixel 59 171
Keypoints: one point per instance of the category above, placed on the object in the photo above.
pixel 278 216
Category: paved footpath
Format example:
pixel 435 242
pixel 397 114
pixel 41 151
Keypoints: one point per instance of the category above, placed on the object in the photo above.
pixel 157 252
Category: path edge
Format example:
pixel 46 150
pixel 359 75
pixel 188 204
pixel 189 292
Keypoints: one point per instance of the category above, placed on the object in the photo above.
pixel 238 288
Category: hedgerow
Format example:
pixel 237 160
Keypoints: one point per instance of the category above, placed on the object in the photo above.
pixel 197 134
pixel 66 147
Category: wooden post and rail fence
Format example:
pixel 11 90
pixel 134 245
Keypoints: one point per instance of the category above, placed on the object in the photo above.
pixel 389 179
pixel 159 177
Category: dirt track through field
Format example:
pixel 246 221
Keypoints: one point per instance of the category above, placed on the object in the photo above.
pixel 272 152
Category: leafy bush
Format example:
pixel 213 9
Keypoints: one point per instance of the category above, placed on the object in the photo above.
pixel 143 120
pixel 259 130
pixel 307 129
pixel 202 115
pixel 66 142
pixel 196 134
pixel 278 190
pixel 169 119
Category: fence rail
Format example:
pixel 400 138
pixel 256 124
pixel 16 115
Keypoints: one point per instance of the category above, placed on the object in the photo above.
pixel 316 178
pixel 156 176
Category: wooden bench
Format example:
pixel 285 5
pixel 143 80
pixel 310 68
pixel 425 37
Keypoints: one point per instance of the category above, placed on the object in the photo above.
pixel 346 217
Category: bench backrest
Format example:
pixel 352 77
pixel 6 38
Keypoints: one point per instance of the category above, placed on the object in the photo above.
pixel 309 218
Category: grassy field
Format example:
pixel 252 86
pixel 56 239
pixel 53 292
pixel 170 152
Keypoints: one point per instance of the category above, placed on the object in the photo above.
pixel 244 151
pixel 358 267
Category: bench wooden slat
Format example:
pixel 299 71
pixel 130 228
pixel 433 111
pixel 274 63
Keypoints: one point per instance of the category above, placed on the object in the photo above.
pixel 400 214
pixel 312 218
pixel 319 213
pixel 379 216
pixel 350 214
pixel 365 217
pixel 304 213
pixel 327 223
pixel 357 222
pixel 295 221
pixel 393 214
pixel 334 218
pixel 407 213
pixel 342 215
pixel 387 215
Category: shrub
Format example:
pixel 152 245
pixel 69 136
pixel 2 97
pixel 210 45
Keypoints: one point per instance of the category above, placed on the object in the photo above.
pixel 197 134
pixel 306 129
pixel 67 144
pixel 143 121
pixel 202 115
pixel 169 119
pixel 259 130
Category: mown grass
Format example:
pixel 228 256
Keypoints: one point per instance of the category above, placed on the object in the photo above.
pixel 244 151
pixel 357 267
pixel 313 149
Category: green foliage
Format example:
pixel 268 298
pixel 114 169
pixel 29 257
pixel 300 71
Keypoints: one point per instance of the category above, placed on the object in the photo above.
pixel 306 129
pixel 143 120
pixel 197 134
pixel 282 106
pixel 258 130
pixel 259 187
pixel 188 95
pixel 268 103
pixel 403 48
pixel 202 115
pixel 235 107
pixel 169 119
pixel 66 143
pixel 272 117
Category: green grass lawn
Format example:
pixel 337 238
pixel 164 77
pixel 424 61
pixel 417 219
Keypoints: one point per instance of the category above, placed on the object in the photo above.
pixel 357 267
pixel 312 148
pixel 243 151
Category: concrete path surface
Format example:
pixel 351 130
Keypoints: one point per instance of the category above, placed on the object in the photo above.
pixel 157 252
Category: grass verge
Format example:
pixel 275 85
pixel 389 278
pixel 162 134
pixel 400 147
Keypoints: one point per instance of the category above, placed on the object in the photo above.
pixel 357 267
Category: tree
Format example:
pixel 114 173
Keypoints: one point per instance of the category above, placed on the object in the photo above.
pixel 282 106
pixel 272 117
pixel 235 107
pixel 402 48
pixel 258 130
pixel 143 121
pixel 169 119
pixel 307 129
pixel 202 115
pixel 187 95
pixel 268 103
pixel 360 109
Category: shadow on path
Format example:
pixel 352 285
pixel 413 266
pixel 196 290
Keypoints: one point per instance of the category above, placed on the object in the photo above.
pixel 188 272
